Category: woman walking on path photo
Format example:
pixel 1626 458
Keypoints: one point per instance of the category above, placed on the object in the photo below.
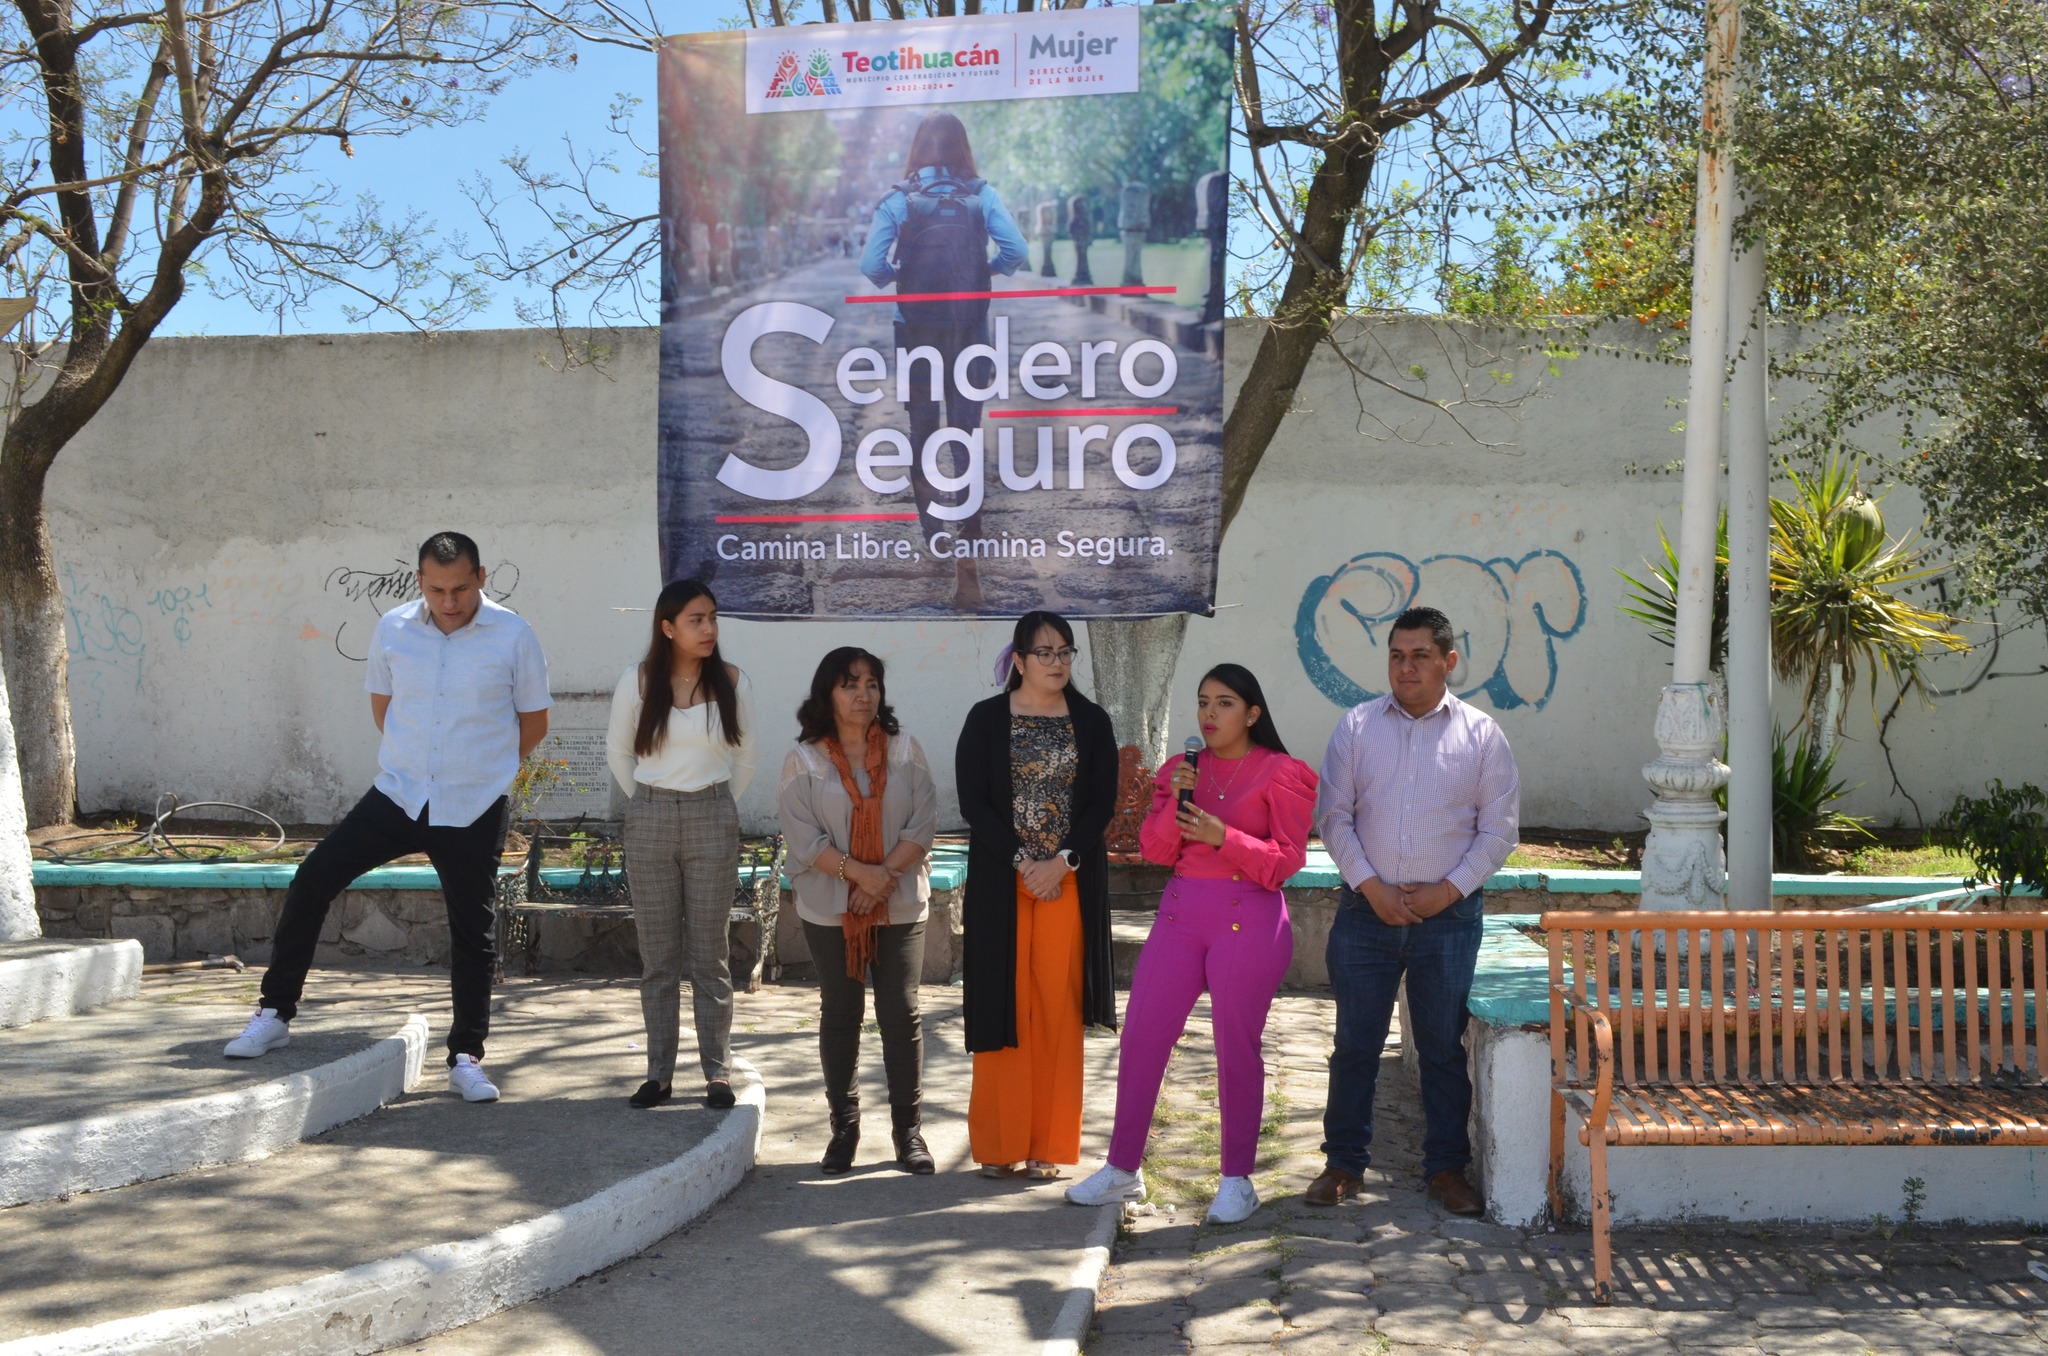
pixel 1036 769
pixel 680 741
pixel 930 236
pixel 859 813
pixel 1233 827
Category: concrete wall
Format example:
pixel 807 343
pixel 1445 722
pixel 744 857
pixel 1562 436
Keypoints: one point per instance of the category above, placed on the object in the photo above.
pixel 233 522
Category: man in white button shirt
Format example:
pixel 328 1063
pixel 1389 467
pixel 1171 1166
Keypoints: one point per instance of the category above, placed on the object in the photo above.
pixel 1420 803
pixel 459 688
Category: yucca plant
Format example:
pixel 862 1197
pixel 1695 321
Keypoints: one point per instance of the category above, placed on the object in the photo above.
pixel 1654 601
pixel 1836 613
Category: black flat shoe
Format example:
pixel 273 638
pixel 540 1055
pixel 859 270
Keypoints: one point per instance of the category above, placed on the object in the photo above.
pixel 718 1096
pixel 651 1094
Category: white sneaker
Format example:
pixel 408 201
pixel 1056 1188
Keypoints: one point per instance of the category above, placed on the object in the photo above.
pixel 264 1033
pixel 466 1076
pixel 1108 1185
pixel 1236 1199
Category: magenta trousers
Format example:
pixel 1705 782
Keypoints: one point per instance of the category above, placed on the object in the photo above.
pixel 1233 939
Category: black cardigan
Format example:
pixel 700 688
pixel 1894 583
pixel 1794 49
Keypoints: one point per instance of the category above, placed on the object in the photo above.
pixel 981 766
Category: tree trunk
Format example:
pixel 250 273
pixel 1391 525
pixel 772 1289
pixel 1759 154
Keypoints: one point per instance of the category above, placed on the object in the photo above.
pixel 32 648
pixel 18 920
pixel 1133 663
pixel 1824 717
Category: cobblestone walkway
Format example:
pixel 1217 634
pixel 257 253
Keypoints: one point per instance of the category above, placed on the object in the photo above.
pixel 1389 1273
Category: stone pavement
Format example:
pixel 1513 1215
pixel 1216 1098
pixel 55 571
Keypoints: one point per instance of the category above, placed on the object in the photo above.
pixel 880 1261
pixel 1390 1273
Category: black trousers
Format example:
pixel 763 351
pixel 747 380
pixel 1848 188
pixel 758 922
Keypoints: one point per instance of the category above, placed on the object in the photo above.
pixel 377 831
pixel 842 1006
pixel 927 416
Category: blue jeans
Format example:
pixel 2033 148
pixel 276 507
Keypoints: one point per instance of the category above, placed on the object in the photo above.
pixel 1367 959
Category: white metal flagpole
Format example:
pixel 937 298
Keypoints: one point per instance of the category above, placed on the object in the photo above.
pixel 1749 589
pixel 1683 865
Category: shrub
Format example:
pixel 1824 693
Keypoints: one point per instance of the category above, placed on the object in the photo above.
pixel 2004 833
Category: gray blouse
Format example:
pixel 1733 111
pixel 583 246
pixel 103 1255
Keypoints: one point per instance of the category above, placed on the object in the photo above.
pixel 816 813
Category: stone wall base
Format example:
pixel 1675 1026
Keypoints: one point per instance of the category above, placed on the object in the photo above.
pixel 411 925
pixel 405 925
pixel 402 926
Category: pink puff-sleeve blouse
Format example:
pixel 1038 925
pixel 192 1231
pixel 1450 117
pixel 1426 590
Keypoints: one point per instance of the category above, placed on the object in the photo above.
pixel 1267 810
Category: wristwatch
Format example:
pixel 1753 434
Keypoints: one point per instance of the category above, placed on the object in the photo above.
pixel 1067 855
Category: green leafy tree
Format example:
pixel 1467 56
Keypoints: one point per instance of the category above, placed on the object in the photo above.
pixel 1892 151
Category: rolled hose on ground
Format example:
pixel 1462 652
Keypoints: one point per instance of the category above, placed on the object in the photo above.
pixel 163 846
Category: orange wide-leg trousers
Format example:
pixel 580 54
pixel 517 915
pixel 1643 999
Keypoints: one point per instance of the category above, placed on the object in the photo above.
pixel 1026 1101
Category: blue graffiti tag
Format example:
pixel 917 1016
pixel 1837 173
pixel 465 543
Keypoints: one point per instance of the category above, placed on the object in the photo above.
pixel 1511 614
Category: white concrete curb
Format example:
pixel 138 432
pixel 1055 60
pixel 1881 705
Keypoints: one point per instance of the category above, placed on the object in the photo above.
pixel 429 1290
pixel 1070 1327
pixel 76 979
pixel 43 1162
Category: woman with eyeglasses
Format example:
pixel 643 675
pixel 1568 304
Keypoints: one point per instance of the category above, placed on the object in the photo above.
pixel 1036 769
pixel 1222 927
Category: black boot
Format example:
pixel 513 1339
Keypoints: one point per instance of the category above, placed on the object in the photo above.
pixel 845 1139
pixel 911 1154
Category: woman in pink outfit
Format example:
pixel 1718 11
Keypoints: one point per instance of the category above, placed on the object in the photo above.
pixel 1222 926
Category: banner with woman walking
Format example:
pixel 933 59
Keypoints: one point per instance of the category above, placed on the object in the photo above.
pixel 941 313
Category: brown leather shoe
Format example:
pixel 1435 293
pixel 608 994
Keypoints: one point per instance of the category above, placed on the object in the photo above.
pixel 1451 1191
pixel 1334 1186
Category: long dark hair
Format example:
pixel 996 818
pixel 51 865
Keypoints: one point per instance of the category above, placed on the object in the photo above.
pixel 657 673
pixel 1239 679
pixel 814 718
pixel 940 142
pixel 1026 634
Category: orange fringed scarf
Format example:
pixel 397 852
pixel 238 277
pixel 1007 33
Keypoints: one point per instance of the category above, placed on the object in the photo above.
pixel 864 843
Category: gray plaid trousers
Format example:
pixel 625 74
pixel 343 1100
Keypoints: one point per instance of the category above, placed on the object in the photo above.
pixel 682 859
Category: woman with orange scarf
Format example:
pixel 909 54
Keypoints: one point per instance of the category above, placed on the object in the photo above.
pixel 859 812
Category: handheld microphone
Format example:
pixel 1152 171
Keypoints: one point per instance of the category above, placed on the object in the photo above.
pixel 1190 752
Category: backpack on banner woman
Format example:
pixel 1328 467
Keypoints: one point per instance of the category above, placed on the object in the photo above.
pixel 943 247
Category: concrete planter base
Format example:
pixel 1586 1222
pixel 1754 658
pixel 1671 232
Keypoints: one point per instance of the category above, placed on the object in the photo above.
pixel 44 1162
pixel 1508 1048
pixel 428 1290
pixel 51 977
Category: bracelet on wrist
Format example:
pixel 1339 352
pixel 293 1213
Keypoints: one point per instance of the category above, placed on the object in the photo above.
pixel 841 873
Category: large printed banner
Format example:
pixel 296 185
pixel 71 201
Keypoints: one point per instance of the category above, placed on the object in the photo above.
pixel 932 314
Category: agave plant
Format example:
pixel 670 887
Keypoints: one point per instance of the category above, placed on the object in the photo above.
pixel 1836 613
pixel 1803 788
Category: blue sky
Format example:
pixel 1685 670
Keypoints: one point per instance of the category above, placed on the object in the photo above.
pixel 424 170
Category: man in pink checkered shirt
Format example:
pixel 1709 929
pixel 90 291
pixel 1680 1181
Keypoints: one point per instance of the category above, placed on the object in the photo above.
pixel 1420 804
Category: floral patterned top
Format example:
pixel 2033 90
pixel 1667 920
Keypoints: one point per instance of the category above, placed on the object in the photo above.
pixel 1043 760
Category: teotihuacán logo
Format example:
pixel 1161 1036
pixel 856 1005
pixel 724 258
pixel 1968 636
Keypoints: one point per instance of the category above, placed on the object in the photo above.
pixel 794 81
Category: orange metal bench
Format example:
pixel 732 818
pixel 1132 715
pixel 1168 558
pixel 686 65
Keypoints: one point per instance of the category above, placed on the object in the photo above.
pixel 1792 1028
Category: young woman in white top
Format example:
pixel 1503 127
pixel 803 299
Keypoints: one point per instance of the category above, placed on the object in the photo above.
pixel 681 741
